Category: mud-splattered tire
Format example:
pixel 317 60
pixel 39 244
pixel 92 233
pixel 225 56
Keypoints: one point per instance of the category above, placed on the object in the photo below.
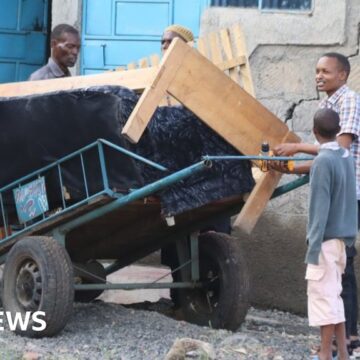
pixel 38 276
pixel 223 302
pixel 82 273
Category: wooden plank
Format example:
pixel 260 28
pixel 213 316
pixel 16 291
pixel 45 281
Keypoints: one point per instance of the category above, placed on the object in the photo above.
pixel 133 79
pixel 257 201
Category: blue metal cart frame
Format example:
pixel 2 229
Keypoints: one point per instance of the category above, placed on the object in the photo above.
pixel 97 226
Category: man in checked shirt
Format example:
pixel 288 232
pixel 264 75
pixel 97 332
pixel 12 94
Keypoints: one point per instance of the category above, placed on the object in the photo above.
pixel 332 72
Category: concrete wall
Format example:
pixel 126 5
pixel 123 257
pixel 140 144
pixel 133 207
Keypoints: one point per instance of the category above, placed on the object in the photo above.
pixel 284 48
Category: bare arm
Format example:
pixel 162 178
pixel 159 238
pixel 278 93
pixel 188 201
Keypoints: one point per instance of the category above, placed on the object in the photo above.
pixel 290 149
pixel 300 168
pixel 345 140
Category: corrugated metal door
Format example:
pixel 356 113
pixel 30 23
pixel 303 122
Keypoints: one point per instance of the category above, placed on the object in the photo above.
pixel 23 38
pixel 117 32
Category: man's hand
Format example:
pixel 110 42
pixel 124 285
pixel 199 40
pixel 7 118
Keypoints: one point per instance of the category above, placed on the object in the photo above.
pixel 279 166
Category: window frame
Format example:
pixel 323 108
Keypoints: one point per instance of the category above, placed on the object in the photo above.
pixel 273 10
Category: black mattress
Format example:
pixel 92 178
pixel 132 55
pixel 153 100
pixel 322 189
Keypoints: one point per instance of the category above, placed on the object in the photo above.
pixel 37 130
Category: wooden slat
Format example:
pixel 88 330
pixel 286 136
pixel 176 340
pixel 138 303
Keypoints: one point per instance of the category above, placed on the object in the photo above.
pixel 133 79
pixel 226 43
pixel 229 53
pixel 215 50
pixel 231 63
pixel 239 41
pixel 143 63
pixel 201 46
pixel 155 60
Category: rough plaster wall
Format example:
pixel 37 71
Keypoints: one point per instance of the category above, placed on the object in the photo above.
pixel 324 25
pixel 284 50
pixel 66 11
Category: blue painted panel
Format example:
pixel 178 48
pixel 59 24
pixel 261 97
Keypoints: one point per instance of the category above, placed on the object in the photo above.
pixel 142 18
pixel 117 32
pixel 25 70
pixel 22 38
pixel 103 54
pixel 7 72
pixel 35 50
pixel 8 15
pixel 32 15
pixel 12 46
pixel 93 72
pixel 190 19
pixel 98 17
pixel 28 47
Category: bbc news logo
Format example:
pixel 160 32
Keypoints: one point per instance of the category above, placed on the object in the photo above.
pixel 21 321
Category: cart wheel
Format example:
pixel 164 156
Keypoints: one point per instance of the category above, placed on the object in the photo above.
pixel 38 276
pixel 223 302
pixel 91 272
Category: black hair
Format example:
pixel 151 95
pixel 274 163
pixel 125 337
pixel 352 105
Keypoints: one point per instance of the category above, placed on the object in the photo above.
pixel 342 61
pixel 61 29
pixel 327 123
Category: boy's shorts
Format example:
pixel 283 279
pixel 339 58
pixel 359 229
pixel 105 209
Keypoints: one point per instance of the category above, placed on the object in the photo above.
pixel 325 305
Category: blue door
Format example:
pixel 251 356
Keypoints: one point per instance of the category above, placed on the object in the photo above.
pixel 117 32
pixel 23 38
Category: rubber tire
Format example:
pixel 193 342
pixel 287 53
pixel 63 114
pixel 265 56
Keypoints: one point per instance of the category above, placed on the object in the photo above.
pixel 220 254
pixel 93 267
pixel 55 276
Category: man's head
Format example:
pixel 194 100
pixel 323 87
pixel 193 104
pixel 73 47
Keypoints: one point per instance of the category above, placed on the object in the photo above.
pixel 65 45
pixel 332 71
pixel 326 125
pixel 175 31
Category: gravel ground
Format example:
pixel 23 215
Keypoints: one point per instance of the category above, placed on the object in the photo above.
pixel 102 330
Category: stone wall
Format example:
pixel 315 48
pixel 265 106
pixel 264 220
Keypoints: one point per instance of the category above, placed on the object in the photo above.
pixel 284 48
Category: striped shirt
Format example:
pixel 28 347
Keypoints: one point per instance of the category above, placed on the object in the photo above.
pixel 347 104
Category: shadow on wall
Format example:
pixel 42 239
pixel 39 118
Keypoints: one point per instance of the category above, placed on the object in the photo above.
pixel 275 254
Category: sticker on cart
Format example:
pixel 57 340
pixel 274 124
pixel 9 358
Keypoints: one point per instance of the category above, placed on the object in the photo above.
pixel 31 200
